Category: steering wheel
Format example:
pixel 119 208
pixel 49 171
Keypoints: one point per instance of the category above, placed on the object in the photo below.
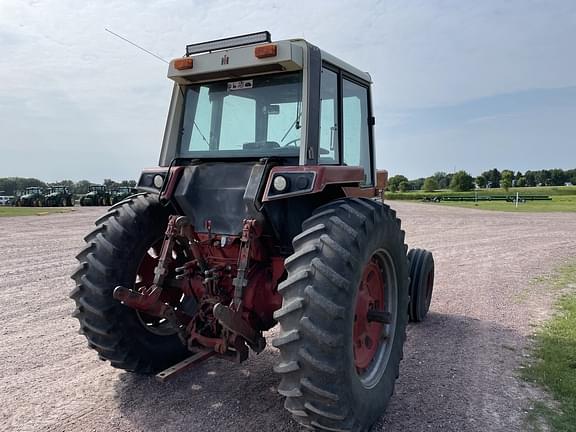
pixel 291 142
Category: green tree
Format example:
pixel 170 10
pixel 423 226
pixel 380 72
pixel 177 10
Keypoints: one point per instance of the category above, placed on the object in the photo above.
pixel 416 184
pixel 461 181
pixel 530 178
pixel 430 184
pixel 558 177
pixel 394 182
pixel 15 185
pixel 506 179
pixel 110 184
pixel 521 182
pixel 68 183
pixel 403 186
pixel 493 177
pixel 543 178
pixel 481 181
pixel 442 179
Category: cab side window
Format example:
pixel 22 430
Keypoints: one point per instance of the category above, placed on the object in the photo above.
pixel 355 128
pixel 328 118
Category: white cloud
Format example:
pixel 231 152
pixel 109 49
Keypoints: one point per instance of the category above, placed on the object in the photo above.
pixel 95 93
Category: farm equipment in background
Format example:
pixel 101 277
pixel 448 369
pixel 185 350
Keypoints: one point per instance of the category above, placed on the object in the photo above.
pixel 32 197
pixel 7 200
pixel 97 195
pixel 120 194
pixel 266 208
pixel 58 196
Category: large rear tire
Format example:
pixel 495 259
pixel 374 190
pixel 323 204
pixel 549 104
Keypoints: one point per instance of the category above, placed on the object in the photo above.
pixel 339 367
pixel 114 255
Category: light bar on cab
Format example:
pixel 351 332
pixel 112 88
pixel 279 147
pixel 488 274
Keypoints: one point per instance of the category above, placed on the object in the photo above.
pixel 231 42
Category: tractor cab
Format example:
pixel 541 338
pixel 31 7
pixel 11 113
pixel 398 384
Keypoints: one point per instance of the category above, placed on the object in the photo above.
pixel 34 191
pixel 249 98
pixel 253 123
pixel 97 188
pixel 58 190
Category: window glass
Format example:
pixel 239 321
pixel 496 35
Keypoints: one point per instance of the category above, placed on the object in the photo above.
pixel 284 123
pixel 259 116
pixel 201 140
pixel 356 141
pixel 240 112
pixel 328 117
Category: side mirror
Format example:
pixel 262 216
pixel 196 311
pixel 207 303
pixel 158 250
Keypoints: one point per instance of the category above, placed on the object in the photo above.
pixel 381 182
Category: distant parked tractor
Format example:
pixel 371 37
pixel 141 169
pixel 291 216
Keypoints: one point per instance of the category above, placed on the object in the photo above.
pixel 59 196
pixel 120 194
pixel 266 209
pixel 32 197
pixel 97 195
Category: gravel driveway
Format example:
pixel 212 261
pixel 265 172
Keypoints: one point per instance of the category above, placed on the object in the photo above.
pixel 458 372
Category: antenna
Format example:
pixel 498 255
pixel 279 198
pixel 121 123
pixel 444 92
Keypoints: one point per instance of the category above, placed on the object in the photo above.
pixel 137 46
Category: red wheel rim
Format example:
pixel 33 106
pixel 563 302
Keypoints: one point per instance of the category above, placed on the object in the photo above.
pixel 367 334
pixel 145 273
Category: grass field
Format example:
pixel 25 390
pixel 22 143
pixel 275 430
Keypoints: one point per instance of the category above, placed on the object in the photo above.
pixel 563 199
pixel 559 203
pixel 554 367
pixel 540 190
pixel 32 211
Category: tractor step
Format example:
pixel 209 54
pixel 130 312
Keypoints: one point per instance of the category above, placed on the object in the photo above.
pixel 172 371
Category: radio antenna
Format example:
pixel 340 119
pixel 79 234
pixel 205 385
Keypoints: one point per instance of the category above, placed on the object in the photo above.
pixel 137 46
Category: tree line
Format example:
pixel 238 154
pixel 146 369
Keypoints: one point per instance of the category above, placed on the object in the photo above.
pixel 461 181
pixel 15 185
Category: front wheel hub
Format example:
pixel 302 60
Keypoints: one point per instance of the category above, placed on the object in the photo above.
pixel 374 318
pixel 367 333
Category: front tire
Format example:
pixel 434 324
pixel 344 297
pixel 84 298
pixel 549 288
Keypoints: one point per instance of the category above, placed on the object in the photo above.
pixel 349 260
pixel 113 257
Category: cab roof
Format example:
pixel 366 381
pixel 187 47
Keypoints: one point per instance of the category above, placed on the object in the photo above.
pixel 238 56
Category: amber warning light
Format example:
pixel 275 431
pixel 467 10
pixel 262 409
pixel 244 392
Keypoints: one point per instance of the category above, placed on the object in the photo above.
pixel 264 51
pixel 183 63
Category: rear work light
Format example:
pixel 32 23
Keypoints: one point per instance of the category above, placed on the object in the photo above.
pixel 231 42
pixel 264 51
pixel 183 63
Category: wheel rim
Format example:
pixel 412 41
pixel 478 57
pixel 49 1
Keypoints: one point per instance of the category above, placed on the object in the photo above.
pixel 144 279
pixel 373 340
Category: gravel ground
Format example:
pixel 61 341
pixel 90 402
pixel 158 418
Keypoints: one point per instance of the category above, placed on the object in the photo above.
pixel 458 373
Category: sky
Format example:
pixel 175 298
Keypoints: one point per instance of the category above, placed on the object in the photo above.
pixel 458 84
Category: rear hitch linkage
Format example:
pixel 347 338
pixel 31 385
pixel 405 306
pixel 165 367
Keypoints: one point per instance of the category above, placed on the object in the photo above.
pixel 235 328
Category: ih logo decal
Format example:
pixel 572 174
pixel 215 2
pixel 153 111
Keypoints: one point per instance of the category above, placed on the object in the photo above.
pixel 225 60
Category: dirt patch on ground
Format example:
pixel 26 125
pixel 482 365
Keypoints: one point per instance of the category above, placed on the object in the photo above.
pixel 458 372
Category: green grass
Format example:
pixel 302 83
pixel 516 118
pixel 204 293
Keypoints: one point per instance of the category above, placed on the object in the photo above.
pixel 559 203
pixel 563 199
pixel 31 211
pixel 554 365
pixel 543 190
